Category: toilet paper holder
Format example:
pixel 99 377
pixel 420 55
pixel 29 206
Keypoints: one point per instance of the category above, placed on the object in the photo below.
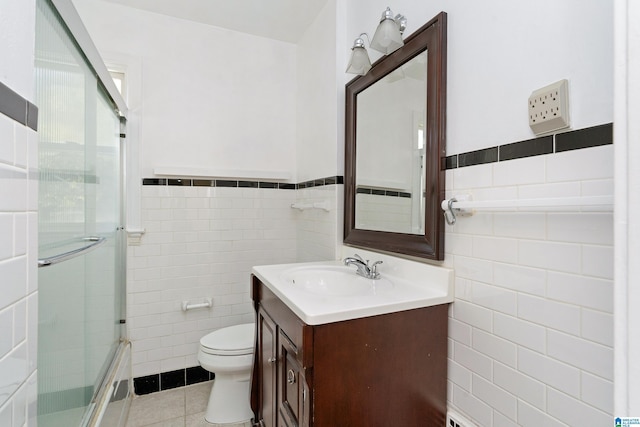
pixel 188 305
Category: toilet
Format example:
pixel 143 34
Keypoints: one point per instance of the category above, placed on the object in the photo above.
pixel 228 353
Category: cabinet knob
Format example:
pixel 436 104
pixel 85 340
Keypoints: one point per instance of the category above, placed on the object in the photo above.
pixel 291 376
pixel 272 360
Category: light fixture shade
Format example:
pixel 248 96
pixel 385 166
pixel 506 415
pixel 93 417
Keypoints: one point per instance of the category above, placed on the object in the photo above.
pixel 359 63
pixel 388 37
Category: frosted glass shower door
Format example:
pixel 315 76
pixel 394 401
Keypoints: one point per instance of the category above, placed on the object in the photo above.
pixel 80 298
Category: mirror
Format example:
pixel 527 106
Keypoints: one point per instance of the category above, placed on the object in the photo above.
pixel 395 148
pixel 390 154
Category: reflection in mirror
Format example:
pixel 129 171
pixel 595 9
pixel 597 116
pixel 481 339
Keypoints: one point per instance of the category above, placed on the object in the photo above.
pixel 390 154
pixel 395 131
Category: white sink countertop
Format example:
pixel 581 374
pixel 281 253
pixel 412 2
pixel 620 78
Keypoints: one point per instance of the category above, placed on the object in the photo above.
pixel 405 285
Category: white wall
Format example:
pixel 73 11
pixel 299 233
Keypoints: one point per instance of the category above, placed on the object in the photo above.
pixel 18 224
pixel 531 325
pixel 317 99
pixel 319 135
pixel 494 61
pixel 211 98
pixel 17 39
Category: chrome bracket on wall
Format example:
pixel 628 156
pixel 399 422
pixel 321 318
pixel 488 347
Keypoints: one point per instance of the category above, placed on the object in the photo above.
pixel 449 214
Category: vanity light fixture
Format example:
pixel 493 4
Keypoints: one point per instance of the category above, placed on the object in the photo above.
pixel 387 39
pixel 359 62
pixel 388 35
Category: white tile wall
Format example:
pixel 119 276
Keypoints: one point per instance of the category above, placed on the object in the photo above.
pixel 532 319
pixel 531 326
pixel 202 242
pixel 18 277
pixel 319 232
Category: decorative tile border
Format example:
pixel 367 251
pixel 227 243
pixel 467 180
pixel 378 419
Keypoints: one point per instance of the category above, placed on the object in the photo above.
pixel 242 184
pixel 529 148
pixel 172 379
pixel 16 107
pixel 559 142
pixel 487 155
pixel 378 192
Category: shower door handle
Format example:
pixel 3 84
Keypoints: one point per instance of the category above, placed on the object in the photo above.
pixel 56 259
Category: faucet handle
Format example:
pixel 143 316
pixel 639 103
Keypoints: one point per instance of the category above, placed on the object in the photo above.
pixel 358 257
pixel 374 269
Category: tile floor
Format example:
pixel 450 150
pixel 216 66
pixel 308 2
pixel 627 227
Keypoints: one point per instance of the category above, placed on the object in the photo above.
pixel 179 407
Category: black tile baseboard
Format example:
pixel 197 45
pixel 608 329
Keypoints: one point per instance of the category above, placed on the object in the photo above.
pixel 147 384
pixel 171 379
pixel 197 374
pixel 573 140
pixel 18 108
pixel 331 180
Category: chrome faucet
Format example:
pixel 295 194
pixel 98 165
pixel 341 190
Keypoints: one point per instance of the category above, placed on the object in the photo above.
pixel 363 266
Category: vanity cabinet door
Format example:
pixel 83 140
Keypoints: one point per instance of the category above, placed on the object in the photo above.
pixel 291 384
pixel 268 368
pixel 378 371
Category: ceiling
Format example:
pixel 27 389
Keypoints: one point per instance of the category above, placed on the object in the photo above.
pixel 284 20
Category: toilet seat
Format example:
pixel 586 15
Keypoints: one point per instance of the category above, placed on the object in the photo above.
pixel 231 341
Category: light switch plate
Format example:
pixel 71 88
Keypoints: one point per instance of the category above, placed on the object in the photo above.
pixel 549 108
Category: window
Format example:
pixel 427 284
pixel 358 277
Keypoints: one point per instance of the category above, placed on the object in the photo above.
pixel 118 79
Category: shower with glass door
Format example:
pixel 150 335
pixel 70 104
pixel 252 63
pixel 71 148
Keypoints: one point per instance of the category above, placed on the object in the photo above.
pixel 82 350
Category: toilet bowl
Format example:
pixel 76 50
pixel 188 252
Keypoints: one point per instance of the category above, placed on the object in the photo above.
pixel 228 353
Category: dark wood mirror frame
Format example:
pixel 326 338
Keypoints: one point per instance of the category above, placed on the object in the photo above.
pixel 431 37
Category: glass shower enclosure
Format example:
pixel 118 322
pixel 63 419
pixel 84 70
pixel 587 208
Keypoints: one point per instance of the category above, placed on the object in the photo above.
pixel 80 231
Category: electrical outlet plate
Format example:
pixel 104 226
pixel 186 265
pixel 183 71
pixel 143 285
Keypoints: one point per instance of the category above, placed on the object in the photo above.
pixel 549 108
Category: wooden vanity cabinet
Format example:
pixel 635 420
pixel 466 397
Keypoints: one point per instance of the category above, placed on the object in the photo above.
pixel 386 370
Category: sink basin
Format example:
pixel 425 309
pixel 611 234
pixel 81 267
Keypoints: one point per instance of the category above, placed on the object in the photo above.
pixel 328 291
pixel 334 281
